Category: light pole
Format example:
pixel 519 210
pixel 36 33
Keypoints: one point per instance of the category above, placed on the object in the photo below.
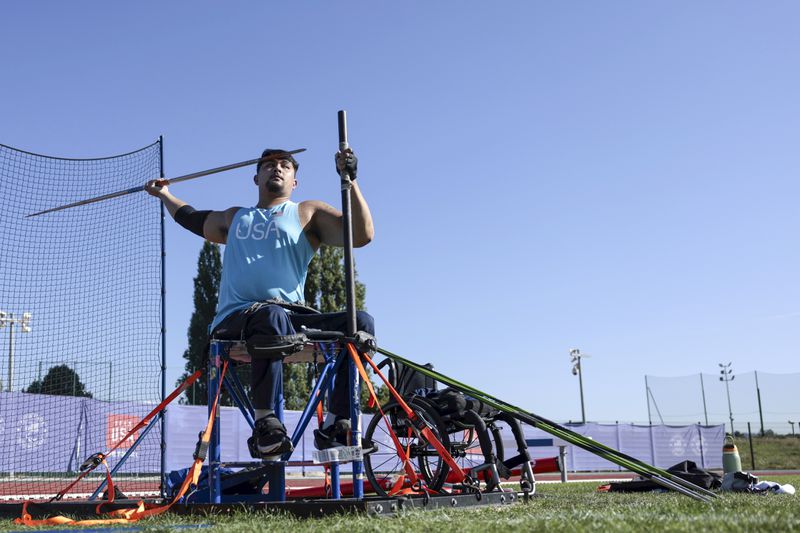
pixel 727 376
pixel 792 424
pixel 7 319
pixel 575 358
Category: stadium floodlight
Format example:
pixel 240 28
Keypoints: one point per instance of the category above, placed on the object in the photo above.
pixel 25 325
pixel 575 358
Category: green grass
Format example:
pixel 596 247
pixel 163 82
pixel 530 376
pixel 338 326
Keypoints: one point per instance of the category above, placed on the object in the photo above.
pixel 569 507
pixel 771 452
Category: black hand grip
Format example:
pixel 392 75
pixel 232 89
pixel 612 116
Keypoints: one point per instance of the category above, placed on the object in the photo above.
pixel 320 335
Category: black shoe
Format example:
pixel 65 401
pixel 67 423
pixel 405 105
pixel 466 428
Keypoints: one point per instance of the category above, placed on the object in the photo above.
pixel 336 436
pixel 269 440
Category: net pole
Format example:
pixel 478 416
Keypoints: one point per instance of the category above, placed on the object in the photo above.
pixel 163 443
pixel 760 411
pixel 703 392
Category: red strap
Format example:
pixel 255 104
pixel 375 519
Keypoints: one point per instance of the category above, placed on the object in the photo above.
pixel 426 432
pixel 127 516
pixel 409 470
pixel 143 422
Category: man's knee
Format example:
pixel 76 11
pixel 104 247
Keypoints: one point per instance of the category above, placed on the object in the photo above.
pixel 365 322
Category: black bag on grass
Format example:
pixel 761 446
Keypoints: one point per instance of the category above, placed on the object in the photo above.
pixel 685 470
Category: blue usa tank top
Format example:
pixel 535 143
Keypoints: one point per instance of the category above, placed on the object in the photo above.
pixel 266 256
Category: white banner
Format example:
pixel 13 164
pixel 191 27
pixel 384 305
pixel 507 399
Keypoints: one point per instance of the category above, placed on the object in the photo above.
pixel 662 446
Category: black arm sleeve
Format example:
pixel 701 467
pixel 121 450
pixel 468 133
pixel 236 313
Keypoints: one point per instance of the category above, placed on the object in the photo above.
pixel 192 220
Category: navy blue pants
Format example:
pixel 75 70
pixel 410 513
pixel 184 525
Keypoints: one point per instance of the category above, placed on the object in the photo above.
pixel 267 374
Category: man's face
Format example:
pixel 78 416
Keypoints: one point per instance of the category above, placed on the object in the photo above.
pixel 277 176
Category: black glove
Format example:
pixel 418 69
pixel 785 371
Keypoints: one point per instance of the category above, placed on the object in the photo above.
pixel 348 162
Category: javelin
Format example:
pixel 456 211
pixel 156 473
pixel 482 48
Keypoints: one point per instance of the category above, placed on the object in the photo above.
pixel 187 177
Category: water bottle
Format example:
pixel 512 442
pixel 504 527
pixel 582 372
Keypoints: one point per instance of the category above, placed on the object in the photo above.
pixel 731 462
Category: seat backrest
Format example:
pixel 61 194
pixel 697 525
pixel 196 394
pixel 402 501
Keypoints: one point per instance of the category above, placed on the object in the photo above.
pixel 407 380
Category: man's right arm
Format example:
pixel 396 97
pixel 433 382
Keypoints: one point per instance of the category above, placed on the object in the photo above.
pixel 211 225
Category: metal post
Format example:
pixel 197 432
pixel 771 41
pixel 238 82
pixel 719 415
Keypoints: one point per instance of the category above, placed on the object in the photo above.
pixel 730 409
pixel 350 293
pixel 760 412
pixel 703 391
pixel 163 414
pixel 580 384
pixel 10 383
pixel 725 375
pixel 577 368
pixel 752 453
pixel 647 395
pixel 214 482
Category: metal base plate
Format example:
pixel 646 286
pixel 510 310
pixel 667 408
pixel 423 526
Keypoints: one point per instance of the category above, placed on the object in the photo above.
pixel 375 506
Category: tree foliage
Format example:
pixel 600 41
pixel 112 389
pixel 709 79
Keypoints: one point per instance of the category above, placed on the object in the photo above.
pixel 324 290
pixel 206 292
pixel 60 380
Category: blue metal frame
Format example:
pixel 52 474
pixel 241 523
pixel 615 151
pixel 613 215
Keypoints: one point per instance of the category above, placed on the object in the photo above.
pixel 124 458
pixel 334 355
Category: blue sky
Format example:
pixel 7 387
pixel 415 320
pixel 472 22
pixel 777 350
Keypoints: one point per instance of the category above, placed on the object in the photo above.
pixel 615 176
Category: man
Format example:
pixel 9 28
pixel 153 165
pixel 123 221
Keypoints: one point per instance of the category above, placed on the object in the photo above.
pixel 268 249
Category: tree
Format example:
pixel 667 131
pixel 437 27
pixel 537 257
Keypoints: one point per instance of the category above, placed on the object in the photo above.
pixel 324 290
pixel 60 380
pixel 206 291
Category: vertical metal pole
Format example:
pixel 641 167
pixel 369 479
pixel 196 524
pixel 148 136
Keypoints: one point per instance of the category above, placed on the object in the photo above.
pixel 350 293
pixel 163 414
pixel 580 384
pixel 647 396
pixel 214 485
pixel 752 453
pixel 703 391
pixel 347 227
pixel 277 474
pixel 702 448
pixel 730 410
pixel 10 352
pixel 760 412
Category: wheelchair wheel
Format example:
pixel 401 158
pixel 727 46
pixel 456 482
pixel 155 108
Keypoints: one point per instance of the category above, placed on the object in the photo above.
pixel 465 446
pixel 385 467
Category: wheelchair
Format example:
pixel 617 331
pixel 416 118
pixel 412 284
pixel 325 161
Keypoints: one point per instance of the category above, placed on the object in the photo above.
pixel 469 430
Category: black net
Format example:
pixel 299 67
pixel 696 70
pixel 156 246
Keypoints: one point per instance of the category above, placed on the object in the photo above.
pixel 755 397
pixel 80 296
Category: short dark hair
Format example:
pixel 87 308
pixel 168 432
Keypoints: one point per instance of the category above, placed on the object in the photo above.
pixel 278 151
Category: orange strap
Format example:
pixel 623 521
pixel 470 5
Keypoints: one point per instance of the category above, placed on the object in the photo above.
pixel 426 432
pixel 101 457
pixel 127 516
pixel 409 470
